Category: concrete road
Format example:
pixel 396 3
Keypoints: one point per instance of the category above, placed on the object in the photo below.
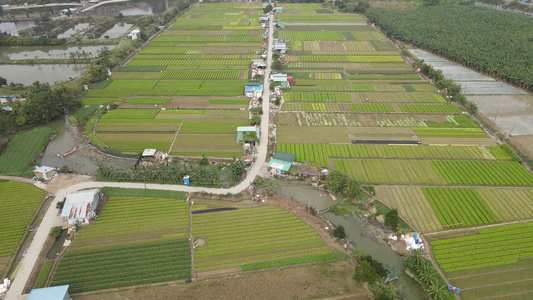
pixel 51 219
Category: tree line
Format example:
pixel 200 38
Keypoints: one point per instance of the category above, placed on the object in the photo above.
pixel 496 43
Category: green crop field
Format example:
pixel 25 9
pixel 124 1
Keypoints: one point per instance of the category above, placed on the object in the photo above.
pixel 17 159
pixel 109 250
pixel 204 54
pixel 19 203
pixel 253 236
pixel 459 207
pixel 320 153
pixel 436 172
pixel 210 127
pixel 412 205
pixel 495 262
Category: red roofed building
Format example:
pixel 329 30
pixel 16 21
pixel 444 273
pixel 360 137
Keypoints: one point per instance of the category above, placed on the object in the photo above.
pixel 81 206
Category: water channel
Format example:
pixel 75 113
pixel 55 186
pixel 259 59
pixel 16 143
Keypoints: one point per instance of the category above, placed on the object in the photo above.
pixel 354 227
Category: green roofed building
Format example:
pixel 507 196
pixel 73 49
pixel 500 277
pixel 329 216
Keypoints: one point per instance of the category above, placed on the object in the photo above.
pixel 281 162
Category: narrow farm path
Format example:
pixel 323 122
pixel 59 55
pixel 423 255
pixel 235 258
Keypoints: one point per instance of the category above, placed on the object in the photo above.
pixel 458 230
pixel 51 219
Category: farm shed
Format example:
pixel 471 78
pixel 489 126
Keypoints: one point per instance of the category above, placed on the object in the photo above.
pixel 282 78
pixel 80 206
pixel 5 99
pixel 247 129
pixel 253 91
pixel 50 293
pixel 44 172
pixel 263 18
pixel 280 25
pixel 259 63
pixel 278 10
pixel 281 162
pixel 281 47
pixel 148 152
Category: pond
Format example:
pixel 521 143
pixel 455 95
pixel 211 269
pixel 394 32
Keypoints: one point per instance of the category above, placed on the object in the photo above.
pixel 116 31
pixel 131 8
pixel 63 142
pixel 15 27
pixel 48 52
pixel 27 74
pixel 78 28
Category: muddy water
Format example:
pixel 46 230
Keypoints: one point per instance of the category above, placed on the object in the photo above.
pixel 306 195
pixel 15 27
pixel 409 288
pixel 63 142
pixel 355 230
pixel 58 245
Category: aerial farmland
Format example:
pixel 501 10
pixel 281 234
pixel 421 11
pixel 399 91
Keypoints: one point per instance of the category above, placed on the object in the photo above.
pixel 357 107
pixel 183 92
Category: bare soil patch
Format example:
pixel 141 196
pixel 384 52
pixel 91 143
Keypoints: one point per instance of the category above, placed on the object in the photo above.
pixel 316 281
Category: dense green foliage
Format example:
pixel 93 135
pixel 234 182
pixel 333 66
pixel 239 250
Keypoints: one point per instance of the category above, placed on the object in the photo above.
pixel 112 191
pixel 485 46
pixel 18 157
pixel 369 270
pixel 199 175
pixel 339 232
pixel 428 276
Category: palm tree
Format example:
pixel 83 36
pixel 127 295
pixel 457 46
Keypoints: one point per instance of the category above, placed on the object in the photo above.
pixel 415 259
pixel 426 272
pixel 436 291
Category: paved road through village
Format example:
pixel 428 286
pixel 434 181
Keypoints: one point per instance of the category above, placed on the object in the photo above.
pixel 51 218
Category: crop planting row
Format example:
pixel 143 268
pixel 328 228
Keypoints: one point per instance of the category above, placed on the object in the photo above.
pixel 188 62
pixel 19 202
pixel 466 133
pixel 121 266
pixel 412 205
pixel 389 171
pixel 304 152
pixel 491 247
pixel 210 127
pixel 155 229
pixel 143 215
pixel 199 38
pixel 17 158
pixel 310 36
pixel 459 207
pixel 246 236
pixel 316 97
pixel 483 172
pixel 508 204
